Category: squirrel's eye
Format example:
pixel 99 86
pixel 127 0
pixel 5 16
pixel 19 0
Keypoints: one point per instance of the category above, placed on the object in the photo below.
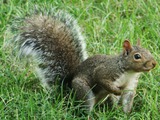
pixel 137 56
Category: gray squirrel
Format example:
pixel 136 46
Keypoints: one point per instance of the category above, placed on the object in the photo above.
pixel 57 46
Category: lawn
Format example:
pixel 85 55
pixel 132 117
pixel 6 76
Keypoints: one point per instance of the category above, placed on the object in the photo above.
pixel 105 25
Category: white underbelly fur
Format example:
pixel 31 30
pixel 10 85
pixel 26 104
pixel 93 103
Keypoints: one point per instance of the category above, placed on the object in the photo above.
pixel 129 80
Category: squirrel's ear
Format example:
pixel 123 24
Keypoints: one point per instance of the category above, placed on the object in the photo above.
pixel 138 42
pixel 127 47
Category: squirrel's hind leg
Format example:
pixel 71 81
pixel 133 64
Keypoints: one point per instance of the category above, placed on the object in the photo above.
pixel 84 92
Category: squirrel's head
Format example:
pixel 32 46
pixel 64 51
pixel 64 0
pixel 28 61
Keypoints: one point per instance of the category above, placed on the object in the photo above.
pixel 137 58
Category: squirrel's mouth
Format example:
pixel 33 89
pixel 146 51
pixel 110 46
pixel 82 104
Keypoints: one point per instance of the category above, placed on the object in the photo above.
pixel 149 65
pixel 147 69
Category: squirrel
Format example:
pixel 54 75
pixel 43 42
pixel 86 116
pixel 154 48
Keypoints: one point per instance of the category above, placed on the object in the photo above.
pixel 57 45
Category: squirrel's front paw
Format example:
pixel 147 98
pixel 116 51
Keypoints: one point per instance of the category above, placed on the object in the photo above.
pixel 118 91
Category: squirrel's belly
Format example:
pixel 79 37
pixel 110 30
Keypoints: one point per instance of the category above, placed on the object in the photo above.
pixel 127 80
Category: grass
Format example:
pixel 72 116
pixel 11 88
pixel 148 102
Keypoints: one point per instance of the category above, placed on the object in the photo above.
pixel 105 23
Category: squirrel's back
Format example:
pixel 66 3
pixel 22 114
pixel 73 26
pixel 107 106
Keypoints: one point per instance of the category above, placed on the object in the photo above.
pixel 55 43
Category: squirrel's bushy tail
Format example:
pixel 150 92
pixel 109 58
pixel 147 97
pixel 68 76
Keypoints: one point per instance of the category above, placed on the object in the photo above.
pixel 54 42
